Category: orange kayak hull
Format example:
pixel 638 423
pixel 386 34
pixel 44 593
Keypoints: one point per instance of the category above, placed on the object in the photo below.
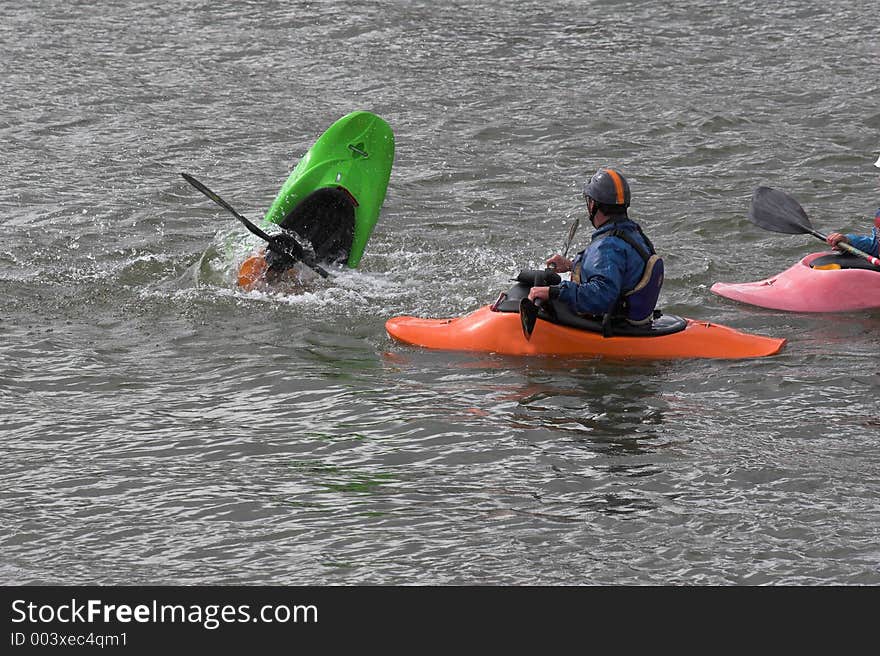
pixel 501 332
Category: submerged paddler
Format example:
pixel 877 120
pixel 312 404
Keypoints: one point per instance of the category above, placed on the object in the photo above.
pixel 279 263
pixel 869 244
pixel 325 221
pixel 282 254
pixel 618 276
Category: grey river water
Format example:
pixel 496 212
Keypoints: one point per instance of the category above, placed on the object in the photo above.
pixel 160 426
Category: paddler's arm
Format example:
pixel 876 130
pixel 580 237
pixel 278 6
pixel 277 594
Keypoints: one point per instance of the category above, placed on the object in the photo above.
pixel 865 243
pixel 559 264
pixel 544 293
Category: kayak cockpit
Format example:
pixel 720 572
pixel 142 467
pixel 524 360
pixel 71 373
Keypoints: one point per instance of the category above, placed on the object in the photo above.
pixel 832 261
pixel 326 219
pixel 560 313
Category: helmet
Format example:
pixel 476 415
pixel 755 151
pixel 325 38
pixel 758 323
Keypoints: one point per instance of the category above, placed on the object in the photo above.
pixel 608 187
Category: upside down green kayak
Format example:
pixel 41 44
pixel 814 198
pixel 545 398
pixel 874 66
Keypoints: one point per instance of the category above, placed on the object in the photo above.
pixel 333 196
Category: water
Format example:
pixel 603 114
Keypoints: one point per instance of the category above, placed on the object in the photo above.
pixel 161 426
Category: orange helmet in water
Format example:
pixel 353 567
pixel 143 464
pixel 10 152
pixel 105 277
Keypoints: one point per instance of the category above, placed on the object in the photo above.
pixel 252 271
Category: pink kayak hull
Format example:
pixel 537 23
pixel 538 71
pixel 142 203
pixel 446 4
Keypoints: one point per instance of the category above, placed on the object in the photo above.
pixel 803 289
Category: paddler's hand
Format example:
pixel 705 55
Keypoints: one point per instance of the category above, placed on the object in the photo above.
pixel 539 293
pixel 835 238
pixel 559 264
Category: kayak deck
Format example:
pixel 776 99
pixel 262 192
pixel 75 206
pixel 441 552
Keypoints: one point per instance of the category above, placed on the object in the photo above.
pixel 501 332
pixel 801 288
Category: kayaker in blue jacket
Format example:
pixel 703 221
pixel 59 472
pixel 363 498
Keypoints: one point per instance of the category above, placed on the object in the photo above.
pixel 605 274
pixel 869 244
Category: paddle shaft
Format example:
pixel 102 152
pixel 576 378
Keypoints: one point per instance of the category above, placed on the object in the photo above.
pixel 250 226
pixel 567 245
pixel 222 203
pixel 568 240
pixel 855 251
pixel 528 311
pixel 842 245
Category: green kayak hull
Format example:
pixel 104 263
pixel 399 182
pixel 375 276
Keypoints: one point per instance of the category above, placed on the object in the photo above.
pixel 355 155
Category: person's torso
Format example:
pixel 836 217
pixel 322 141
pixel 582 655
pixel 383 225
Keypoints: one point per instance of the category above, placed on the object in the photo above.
pixel 609 254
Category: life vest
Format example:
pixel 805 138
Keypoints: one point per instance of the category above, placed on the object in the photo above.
pixel 635 305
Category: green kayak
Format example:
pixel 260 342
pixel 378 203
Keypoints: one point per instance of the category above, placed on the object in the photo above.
pixel 333 196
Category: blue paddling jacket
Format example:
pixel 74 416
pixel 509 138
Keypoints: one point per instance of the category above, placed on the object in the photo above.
pixel 607 269
pixel 869 244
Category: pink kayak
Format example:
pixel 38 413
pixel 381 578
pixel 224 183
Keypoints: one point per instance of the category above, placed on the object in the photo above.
pixel 801 288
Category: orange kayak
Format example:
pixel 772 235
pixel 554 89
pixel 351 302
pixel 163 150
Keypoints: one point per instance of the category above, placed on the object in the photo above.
pixel 489 331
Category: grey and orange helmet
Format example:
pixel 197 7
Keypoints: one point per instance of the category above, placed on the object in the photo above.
pixel 608 187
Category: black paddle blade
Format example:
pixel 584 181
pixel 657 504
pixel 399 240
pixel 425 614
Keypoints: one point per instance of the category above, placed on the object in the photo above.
pixel 222 203
pixel 528 316
pixel 210 194
pixel 287 247
pixel 777 211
